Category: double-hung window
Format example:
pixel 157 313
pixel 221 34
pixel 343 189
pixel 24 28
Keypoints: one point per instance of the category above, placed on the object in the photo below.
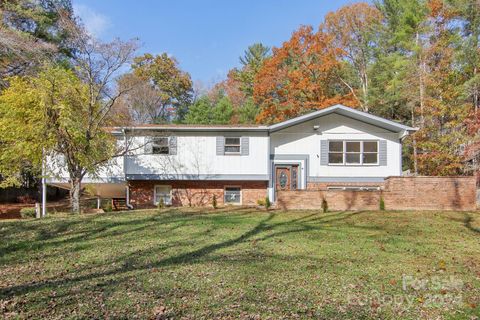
pixel 352 152
pixel 232 145
pixel 160 145
pixel 370 152
pixel 335 152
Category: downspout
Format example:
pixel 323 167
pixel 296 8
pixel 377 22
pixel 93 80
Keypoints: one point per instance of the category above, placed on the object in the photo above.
pixel 269 168
pixel 127 188
pixel 127 200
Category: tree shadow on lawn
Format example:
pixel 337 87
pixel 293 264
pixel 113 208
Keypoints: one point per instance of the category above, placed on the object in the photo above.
pixel 131 262
pixel 467 220
pixel 468 223
pixel 56 233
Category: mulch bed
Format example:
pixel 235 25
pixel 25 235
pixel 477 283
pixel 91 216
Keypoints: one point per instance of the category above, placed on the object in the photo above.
pixel 12 210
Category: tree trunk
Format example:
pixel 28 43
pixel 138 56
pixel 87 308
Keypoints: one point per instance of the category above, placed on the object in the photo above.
pixel 422 92
pixel 75 188
pixel 421 67
pixel 415 155
pixel 365 101
pixel 476 97
pixel 414 144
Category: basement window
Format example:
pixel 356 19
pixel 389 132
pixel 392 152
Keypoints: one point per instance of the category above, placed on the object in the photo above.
pixel 163 192
pixel 354 188
pixel 232 195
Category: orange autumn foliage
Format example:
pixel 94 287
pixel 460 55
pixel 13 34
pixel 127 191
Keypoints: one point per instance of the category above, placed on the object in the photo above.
pixel 230 87
pixel 301 76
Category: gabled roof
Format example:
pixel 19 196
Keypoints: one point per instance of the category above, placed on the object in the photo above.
pixel 338 109
pixel 347 112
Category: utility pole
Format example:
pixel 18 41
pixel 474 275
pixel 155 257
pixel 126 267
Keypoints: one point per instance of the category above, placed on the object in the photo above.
pixel 44 187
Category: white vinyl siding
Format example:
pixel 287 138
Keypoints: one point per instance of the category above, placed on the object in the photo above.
pixel 196 158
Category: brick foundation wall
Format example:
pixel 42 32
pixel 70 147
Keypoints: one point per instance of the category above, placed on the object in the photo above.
pixel 399 193
pixel 195 193
pixel 336 199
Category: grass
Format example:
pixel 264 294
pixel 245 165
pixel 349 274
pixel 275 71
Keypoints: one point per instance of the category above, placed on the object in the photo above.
pixel 242 263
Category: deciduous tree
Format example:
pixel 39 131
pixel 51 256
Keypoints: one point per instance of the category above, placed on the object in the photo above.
pixel 354 29
pixel 30 33
pixel 65 112
pixel 171 88
pixel 299 77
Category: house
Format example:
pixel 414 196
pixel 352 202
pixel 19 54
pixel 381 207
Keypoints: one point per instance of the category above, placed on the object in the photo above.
pixel 335 148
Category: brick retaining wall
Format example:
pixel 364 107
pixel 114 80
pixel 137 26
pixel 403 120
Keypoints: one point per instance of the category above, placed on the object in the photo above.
pixel 195 193
pixel 399 193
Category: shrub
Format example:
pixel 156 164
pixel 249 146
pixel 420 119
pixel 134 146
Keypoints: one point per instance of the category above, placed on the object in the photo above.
pixel 261 202
pixel 27 212
pixel 108 206
pixel 214 202
pixel 268 204
pixel 382 204
pixel 324 205
pixel 161 204
pixel 90 203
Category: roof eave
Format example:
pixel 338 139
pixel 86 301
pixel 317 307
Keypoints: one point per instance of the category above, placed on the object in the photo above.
pixel 198 129
pixel 347 112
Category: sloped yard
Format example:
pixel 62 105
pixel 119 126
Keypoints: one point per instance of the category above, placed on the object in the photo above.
pixel 242 263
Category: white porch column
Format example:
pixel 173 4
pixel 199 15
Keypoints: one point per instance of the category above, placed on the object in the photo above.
pixel 44 187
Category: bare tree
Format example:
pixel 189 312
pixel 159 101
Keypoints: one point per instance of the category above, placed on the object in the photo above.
pixel 142 103
pixel 97 65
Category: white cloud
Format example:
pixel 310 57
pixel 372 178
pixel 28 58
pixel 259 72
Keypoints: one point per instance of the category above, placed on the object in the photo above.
pixel 95 22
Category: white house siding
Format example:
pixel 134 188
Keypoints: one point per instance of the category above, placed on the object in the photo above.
pixel 111 172
pixel 196 158
pixel 302 140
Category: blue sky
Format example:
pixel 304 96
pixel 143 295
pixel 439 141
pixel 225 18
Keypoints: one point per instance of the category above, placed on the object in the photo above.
pixel 206 37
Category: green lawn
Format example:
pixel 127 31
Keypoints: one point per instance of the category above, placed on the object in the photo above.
pixel 242 263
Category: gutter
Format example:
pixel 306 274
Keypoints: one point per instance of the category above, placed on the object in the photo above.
pixel 407 132
pixel 201 129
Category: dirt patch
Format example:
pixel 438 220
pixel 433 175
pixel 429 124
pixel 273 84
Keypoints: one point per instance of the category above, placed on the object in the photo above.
pixel 12 210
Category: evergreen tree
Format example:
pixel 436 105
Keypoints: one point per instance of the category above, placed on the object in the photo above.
pixel 200 112
pixel 222 111
pixel 32 32
pixel 248 112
